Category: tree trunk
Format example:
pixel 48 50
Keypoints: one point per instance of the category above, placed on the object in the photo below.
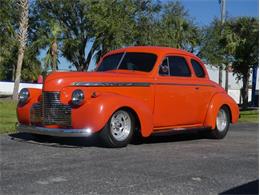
pixel 13 72
pixel 54 56
pixel 244 91
pixel 18 73
pixel 22 37
pixel 220 75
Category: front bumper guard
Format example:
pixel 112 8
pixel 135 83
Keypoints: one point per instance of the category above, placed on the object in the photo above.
pixel 54 131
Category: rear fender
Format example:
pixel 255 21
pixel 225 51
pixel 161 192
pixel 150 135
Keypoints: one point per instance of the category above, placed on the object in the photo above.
pixel 219 100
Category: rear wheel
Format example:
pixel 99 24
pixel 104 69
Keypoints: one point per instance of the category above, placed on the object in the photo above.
pixel 119 129
pixel 222 123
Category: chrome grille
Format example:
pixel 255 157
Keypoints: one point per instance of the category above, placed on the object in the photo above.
pixel 53 111
pixel 36 113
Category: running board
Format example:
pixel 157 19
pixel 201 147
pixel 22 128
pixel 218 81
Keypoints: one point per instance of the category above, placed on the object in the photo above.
pixel 180 130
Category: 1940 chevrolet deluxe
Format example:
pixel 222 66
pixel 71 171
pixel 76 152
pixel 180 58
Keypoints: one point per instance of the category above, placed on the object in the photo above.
pixel 136 89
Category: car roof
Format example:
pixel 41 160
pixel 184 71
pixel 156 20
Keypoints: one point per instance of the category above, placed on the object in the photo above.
pixel 152 49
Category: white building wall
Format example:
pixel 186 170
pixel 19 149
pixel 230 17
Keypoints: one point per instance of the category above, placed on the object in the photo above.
pixel 6 88
pixel 234 86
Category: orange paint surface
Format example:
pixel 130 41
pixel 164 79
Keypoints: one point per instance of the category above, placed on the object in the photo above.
pixel 167 102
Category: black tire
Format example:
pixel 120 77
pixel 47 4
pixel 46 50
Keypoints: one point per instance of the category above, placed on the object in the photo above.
pixel 108 134
pixel 220 131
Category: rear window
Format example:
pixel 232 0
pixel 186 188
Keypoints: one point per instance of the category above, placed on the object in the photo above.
pixel 179 66
pixel 198 69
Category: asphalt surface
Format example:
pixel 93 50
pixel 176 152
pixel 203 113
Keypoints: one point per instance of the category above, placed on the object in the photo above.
pixel 175 164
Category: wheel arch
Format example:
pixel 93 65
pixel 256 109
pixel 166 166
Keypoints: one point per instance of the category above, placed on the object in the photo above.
pixel 105 105
pixel 143 126
pixel 135 115
pixel 219 100
pixel 229 111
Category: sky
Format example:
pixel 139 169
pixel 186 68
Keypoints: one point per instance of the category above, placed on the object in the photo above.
pixel 202 12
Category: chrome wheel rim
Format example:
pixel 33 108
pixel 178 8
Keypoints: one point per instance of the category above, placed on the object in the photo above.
pixel 120 125
pixel 221 120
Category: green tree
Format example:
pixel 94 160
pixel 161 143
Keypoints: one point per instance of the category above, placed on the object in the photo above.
pixel 22 38
pixel 9 25
pixel 175 29
pixel 241 38
pixel 147 20
pixel 51 59
pixel 48 37
pixel 112 25
pixel 214 50
pixel 76 31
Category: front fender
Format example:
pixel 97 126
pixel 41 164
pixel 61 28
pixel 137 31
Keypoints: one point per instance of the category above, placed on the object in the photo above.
pixel 96 111
pixel 216 103
pixel 23 111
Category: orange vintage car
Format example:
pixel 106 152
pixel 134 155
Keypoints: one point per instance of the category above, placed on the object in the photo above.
pixel 134 90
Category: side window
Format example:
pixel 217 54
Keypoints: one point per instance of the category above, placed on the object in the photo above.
pixel 179 67
pixel 197 69
pixel 164 68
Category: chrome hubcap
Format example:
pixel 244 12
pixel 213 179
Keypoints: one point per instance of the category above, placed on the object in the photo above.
pixel 120 125
pixel 221 120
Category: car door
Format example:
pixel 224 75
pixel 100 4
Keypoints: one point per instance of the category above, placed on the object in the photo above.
pixel 205 90
pixel 174 94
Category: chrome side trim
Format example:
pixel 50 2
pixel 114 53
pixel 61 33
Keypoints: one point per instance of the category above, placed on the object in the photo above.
pixel 184 84
pixel 132 84
pixel 53 132
pixel 112 84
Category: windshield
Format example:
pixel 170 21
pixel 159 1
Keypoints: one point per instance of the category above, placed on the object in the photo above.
pixel 128 61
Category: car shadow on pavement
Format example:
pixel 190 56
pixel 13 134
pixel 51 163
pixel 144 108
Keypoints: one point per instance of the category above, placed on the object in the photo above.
pixel 177 136
pixel 75 142
pixel 248 188
pixel 94 141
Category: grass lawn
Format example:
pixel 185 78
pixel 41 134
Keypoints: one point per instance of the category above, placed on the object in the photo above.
pixel 251 116
pixel 8 116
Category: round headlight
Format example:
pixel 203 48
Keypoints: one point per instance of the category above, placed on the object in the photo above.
pixel 23 96
pixel 77 97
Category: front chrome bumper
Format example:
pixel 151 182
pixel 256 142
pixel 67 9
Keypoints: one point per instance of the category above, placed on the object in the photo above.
pixel 54 132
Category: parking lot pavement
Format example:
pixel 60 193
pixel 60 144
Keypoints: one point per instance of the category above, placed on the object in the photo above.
pixel 176 164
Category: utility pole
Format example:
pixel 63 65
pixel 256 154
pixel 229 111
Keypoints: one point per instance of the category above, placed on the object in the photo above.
pixel 223 10
pixel 223 17
pixel 222 6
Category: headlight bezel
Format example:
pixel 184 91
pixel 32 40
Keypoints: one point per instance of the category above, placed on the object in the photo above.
pixel 23 96
pixel 77 97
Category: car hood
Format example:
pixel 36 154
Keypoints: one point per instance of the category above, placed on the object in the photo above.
pixel 57 80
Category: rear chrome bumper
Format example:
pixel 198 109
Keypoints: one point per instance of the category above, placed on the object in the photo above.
pixel 54 132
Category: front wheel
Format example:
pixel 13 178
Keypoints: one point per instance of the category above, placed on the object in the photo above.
pixel 119 129
pixel 222 123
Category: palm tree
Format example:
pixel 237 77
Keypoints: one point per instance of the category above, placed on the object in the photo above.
pixel 22 38
pixel 52 39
